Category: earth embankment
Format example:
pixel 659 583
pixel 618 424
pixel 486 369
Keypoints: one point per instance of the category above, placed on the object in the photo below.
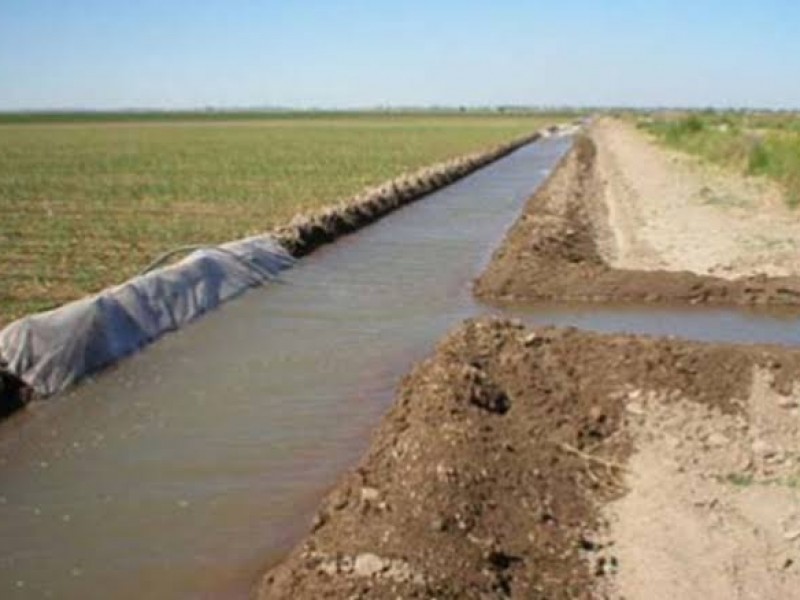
pixel 561 248
pixel 488 477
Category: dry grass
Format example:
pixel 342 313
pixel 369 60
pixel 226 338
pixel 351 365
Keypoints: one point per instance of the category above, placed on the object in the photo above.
pixel 758 144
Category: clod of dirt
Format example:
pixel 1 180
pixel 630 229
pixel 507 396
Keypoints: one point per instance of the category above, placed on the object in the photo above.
pixel 485 394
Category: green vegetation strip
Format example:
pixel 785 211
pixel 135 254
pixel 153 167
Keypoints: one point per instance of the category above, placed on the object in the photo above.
pixel 88 204
pixel 756 144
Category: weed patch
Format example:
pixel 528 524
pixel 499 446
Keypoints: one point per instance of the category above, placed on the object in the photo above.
pixel 763 145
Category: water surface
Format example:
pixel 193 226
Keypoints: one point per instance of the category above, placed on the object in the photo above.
pixel 184 470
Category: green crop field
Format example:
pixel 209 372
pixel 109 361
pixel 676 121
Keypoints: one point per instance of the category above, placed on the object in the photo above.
pixel 765 144
pixel 88 201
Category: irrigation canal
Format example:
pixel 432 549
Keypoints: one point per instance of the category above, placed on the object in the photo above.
pixel 183 471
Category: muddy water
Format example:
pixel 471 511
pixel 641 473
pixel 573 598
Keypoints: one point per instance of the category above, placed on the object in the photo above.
pixel 704 323
pixel 186 469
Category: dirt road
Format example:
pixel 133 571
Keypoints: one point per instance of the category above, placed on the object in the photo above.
pixel 588 235
pixel 713 503
pixel 666 210
pixel 548 463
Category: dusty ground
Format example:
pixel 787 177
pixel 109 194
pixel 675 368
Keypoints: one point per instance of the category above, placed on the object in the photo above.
pixel 566 246
pixel 713 508
pixel 554 463
pixel 668 211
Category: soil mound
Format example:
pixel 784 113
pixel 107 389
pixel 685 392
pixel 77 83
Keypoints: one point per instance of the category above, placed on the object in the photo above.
pixel 487 477
pixel 553 253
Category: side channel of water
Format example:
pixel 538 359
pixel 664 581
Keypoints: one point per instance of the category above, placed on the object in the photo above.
pixel 184 470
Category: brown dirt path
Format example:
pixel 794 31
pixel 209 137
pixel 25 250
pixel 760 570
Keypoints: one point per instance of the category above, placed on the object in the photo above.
pixel 566 247
pixel 669 211
pixel 713 508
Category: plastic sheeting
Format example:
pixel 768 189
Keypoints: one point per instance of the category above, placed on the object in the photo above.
pixel 51 350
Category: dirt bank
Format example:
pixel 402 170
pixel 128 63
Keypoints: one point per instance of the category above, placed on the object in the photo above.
pixel 306 232
pixel 560 249
pixel 489 477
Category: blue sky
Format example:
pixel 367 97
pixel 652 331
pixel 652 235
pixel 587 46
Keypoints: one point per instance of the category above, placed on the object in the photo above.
pixel 351 53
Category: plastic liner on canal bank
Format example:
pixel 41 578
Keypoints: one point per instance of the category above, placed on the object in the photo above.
pixel 45 353
pixel 51 350
pixel 186 469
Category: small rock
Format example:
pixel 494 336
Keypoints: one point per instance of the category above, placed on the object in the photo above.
pixel 596 414
pixel 491 398
pixel 439 524
pixel 367 565
pixel 762 448
pixel 792 535
pixel 635 408
pixel 606 566
pixel 369 494
pixel 775 457
pixel 588 545
pixel 532 339
pixel 329 567
pixel 788 403
pixel 319 520
pixel 445 474
pixel 339 501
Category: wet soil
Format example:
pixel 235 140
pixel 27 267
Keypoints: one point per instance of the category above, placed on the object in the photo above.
pixel 553 253
pixel 488 476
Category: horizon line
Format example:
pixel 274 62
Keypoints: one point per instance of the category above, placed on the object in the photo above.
pixel 387 108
